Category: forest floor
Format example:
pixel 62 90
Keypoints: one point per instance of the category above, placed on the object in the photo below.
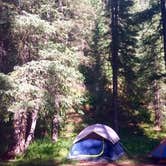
pixel 51 163
pixel 127 163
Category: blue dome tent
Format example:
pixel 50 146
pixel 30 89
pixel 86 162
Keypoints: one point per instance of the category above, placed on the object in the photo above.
pixel 160 151
pixel 96 142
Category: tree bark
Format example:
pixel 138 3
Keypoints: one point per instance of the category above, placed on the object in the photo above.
pixel 114 52
pixel 30 135
pixel 55 126
pixel 163 19
pixel 19 127
pixel 55 120
pixel 22 138
pixel 157 108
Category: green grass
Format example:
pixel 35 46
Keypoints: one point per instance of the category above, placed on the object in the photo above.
pixel 140 140
pixel 44 153
pixel 46 150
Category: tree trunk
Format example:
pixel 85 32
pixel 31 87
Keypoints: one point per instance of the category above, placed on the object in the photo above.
pixel 163 19
pixel 55 120
pixel 22 138
pixel 55 126
pixel 158 113
pixel 19 125
pixel 30 134
pixel 114 52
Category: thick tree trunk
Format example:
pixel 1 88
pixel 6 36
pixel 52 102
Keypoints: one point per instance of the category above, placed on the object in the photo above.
pixel 22 138
pixel 19 132
pixel 114 52
pixel 19 125
pixel 157 108
pixel 163 18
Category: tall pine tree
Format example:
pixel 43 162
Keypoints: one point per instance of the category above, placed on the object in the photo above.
pixel 114 58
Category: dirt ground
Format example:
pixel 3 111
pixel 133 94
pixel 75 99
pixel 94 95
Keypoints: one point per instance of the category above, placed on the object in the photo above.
pixel 114 164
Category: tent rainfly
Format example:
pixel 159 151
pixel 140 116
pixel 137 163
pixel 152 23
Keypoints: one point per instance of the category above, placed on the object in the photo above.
pixel 96 142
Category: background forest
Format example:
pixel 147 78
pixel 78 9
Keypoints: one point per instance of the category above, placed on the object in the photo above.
pixel 66 64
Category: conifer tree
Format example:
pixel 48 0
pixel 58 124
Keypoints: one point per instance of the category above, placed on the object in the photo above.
pixel 114 58
pixel 163 19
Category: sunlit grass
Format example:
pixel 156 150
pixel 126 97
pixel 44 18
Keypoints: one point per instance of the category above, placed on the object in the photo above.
pixel 45 149
pixel 44 152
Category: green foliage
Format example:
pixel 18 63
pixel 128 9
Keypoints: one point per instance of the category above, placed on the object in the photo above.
pixel 5 117
pixel 4 82
pixel 38 83
pixel 45 149
pixel 151 57
pixel 49 52
pixel 143 139
pixel 44 152
pixel 139 145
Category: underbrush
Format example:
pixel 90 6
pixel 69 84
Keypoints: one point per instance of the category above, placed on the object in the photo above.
pixel 44 152
pixel 139 141
pixel 45 149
